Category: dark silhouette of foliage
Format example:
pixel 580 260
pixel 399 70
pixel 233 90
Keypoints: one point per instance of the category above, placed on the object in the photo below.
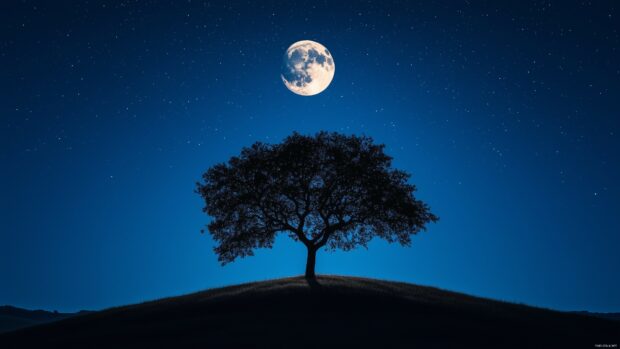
pixel 327 190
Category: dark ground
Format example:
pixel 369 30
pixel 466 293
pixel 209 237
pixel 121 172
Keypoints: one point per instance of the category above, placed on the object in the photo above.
pixel 12 318
pixel 334 311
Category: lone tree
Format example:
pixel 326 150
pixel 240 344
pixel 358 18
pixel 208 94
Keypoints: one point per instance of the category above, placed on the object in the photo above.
pixel 326 190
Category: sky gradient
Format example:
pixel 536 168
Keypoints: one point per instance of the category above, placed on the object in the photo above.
pixel 507 116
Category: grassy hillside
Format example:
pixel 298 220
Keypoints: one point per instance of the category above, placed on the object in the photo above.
pixel 332 312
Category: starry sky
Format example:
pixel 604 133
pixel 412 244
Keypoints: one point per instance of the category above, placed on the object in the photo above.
pixel 505 113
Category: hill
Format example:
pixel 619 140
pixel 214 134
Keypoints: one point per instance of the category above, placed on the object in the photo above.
pixel 12 318
pixel 611 316
pixel 332 312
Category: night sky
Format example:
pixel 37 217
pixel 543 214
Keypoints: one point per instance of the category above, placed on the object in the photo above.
pixel 507 116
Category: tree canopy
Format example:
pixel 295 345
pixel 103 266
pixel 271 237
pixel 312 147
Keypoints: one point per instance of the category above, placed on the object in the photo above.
pixel 328 190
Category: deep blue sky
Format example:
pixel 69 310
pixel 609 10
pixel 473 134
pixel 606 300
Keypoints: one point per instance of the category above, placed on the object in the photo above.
pixel 507 115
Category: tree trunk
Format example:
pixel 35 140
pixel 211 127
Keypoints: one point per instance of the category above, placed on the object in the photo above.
pixel 310 263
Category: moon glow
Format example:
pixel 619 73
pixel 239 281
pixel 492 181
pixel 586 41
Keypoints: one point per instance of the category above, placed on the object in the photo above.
pixel 308 68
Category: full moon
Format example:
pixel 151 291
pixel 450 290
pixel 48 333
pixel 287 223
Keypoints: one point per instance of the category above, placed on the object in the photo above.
pixel 308 68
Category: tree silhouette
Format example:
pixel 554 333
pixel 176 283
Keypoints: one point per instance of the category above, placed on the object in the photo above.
pixel 327 190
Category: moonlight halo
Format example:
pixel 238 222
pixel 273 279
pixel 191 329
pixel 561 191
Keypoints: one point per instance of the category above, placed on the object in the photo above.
pixel 308 68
